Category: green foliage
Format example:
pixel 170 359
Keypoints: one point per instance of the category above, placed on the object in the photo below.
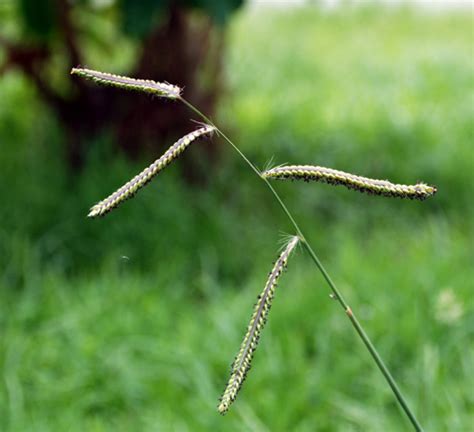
pixel 127 351
pixel 129 323
pixel 39 17
pixel 219 11
pixel 367 92
pixel 140 17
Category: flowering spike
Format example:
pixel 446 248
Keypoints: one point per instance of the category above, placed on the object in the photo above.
pixel 129 189
pixel 419 191
pixel 243 361
pixel 142 85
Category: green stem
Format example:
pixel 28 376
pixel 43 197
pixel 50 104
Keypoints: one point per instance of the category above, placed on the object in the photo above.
pixel 336 293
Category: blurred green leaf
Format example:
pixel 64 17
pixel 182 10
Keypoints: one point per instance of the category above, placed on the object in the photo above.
pixel 39 17
pixel 139 17
pixel 219 11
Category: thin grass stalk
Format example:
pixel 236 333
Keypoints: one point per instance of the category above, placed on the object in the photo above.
pixel 308 173
pixel 335 291
pixel 243 360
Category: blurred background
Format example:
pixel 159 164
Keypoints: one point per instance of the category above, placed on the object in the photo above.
pixel 130 322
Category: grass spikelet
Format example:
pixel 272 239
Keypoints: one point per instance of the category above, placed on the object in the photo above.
pixel 130 188
pixel 243 360
pixel 142 85
pixel 418 191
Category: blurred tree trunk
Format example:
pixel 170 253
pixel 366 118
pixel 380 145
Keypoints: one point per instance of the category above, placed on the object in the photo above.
pixel 184 50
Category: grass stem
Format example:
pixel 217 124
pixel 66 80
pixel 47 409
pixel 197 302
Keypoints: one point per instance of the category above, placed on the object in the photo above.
pixel 336 293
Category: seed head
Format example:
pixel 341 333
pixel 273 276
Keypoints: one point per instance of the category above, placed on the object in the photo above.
pixel 146 86
pixel 419 191
pixel 243 361
pixel 130 188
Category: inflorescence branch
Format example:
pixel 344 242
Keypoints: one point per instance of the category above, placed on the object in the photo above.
pixel 243 360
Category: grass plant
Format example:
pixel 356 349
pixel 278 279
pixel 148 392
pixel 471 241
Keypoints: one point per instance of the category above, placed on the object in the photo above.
pixel 243 360
pixel 129 322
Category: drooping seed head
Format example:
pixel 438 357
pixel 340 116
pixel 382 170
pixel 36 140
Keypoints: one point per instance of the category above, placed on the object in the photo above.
pixel 243 360
pixel 141 85
pixel 130 188
pixel 419 191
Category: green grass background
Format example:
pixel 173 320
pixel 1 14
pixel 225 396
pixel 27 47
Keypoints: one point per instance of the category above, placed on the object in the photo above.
pixel 131 322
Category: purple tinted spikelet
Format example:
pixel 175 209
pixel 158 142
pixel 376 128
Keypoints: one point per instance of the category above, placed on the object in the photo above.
pixel 243 360
pixel 141 85
pixel 418 191
pixel 130 188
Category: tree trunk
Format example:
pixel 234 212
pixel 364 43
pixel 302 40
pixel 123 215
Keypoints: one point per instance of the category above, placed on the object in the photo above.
pixel 185 51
